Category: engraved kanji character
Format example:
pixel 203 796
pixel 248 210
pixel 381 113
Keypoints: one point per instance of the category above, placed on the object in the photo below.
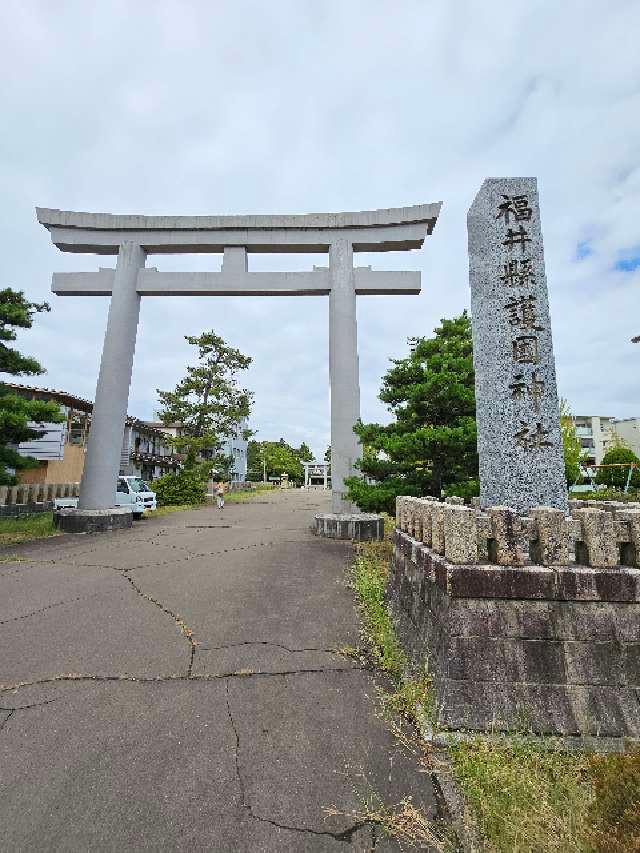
pixel 517 273
pixel 515 238
pixel 520 389
pixel 516 205
pixel 532 438
pixel 525 349
pixel 522 312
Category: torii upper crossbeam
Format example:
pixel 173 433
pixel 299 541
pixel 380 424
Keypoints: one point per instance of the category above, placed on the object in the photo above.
pixel 132 238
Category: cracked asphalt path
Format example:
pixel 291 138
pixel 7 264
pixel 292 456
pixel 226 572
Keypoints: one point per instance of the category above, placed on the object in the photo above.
pixel 177 687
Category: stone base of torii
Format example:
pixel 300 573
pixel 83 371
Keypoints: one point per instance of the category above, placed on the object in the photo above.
pixel 132 238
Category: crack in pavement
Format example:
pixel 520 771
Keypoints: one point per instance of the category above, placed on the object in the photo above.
pixel 28 707
pixel 204 647
pixel 190 556
pixel 44 609
pixel 185 630
pixel 344 837
pixel 9 715
pixel 162 679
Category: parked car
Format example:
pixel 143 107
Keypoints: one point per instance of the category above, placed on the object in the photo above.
pixel 130 491
pixel 138 491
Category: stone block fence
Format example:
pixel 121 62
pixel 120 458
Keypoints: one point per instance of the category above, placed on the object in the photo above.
pixel 30 498
pixel 523 621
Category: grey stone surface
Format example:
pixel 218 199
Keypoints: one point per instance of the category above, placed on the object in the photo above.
pixel 519 443
pixel 92 520
pixel 357 526
pixel 552 649
pixel 117 748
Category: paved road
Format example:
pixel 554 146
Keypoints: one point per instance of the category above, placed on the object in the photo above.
pixel 176 687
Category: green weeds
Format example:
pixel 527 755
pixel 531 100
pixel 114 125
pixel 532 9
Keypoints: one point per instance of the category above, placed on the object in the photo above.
pixel 16 530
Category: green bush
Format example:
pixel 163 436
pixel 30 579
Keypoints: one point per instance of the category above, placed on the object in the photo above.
pixel 616 478
pixel 606 495
pixel 467 490
pixel 185 487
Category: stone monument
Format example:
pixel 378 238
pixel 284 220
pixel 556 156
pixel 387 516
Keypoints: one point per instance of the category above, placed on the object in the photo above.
pixel 517 413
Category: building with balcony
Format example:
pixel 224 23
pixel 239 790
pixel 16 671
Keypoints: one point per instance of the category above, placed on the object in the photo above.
pixel 235 447
pixel 594 434
pixel 61 449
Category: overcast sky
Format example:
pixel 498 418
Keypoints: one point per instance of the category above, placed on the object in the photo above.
pixel 293 107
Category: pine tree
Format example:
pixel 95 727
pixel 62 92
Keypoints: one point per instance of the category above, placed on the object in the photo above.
pixel 304 453
pixel 573 452
pixel 207 402
pixel 18 415
pixel 431 443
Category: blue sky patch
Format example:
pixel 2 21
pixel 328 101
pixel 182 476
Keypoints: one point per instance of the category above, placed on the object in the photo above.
pixel 583 250
pixel 629 262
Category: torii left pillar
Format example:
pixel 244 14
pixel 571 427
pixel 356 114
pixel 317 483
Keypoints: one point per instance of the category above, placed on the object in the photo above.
pixel 114 380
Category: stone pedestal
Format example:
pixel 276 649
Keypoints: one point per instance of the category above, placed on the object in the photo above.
pixel 553 649
pixel 92 520
pixel 357 526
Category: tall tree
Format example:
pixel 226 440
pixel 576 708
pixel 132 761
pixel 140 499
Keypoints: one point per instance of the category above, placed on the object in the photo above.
pixel 622 461
pixel 573 452
pixel 304 453
pixel 431 443
pixel 207 403
pixel 21 419
pixel 274 458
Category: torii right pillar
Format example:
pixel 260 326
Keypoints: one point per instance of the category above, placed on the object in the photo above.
pixel 343 372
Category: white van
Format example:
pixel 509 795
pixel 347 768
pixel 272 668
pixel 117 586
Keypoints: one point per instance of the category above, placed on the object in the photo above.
pixel 138 493
pixel 130 491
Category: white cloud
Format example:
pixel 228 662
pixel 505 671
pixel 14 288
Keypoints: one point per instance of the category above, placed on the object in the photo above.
pixel 195 107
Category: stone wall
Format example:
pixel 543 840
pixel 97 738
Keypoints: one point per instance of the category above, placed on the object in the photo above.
pixel 26 499
pixel 523 621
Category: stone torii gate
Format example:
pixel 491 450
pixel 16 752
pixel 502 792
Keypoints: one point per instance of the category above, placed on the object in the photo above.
pixel 132 238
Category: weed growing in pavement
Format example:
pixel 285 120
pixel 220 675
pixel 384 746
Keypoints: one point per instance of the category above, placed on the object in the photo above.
pixel 369 578
pixel 402 821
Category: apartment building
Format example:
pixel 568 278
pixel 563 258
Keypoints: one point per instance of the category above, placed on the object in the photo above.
pixel 594 433
pixel 235 447
pixel 628 430
pixel 61 449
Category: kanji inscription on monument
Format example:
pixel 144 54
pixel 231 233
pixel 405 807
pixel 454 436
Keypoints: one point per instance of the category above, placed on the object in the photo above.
pixel 519 441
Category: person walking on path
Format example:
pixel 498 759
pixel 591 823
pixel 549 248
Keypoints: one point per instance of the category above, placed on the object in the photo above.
pixel 220 494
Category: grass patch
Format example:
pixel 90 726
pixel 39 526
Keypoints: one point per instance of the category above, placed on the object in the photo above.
pixel 615 807
pixel 369 577
pixel 243 497
pixel 531 795
pixel 411 697
pixel 16 530
pixel 526 796
pixel 169 508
